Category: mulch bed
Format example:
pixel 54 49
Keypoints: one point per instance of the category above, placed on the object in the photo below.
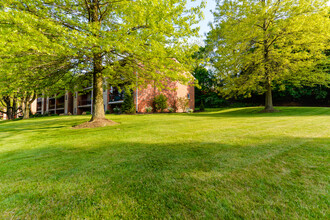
pixel 95 124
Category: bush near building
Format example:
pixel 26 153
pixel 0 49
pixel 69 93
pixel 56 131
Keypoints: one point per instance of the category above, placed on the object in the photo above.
pixel 128 106
pixel 160 102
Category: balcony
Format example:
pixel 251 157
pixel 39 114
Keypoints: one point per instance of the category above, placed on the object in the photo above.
pixel 85 103
pixel 88 88
pixel 60 106
pixel 118 98
pixel 51 107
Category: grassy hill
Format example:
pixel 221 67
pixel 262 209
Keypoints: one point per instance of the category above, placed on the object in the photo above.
pixel 224 163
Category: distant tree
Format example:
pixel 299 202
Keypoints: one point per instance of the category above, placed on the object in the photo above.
pixel 206 92
pixel 254 44
pixel 23 78
pixel 10 106
pixel 183 103
pixel 111 40
pixel 201 106
pixel 160 102
pixel 128 106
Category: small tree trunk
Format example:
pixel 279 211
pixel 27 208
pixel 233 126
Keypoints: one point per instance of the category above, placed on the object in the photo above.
pixel 26 111
pixel 26 105
pixel 98 109
pixel 14 108
pixel 7 102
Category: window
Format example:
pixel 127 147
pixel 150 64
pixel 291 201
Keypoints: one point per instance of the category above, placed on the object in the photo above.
pixel 188 96
pixel 115 95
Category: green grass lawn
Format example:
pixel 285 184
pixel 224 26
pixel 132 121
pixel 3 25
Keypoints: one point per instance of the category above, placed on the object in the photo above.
pixel 223 163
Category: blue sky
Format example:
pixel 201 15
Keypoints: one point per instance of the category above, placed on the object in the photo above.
pixel 208 17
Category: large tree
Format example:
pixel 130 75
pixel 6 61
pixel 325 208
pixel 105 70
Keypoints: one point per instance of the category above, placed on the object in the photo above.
pixel 109 39
pixel 256 43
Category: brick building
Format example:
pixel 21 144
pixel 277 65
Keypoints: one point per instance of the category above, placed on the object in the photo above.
pixel 78 103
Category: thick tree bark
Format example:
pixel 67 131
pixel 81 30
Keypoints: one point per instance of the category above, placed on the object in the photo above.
pixel 268 98
pixel 9 113
pixel 98 109
pixel 268 95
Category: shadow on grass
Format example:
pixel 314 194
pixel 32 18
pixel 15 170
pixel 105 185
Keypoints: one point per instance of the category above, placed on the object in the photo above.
pixel 280 178
pixel 255 112
pixel 40 124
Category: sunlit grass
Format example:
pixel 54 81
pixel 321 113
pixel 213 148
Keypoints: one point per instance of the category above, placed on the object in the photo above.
pixel 223 163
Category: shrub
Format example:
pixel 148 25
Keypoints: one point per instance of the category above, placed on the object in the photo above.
pixel 189 110
pixel 88 113
pixel 128 106
pixel 148 109
pixel 174 106
pixel 183 103
pixel 170 109
pixel 201 107
pixel 107 112
pixel 160 102
pixel 54 114
pixel 116 110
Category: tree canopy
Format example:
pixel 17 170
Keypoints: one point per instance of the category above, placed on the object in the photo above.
pixel 107 39
pixel 255 44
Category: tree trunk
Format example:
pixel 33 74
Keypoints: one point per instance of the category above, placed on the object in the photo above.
pixel 15 108
pixel 7 103
pixel 269 99
pixel 10 102
pixel 9 113
pixel 98 109
pixel 26 111
pixel 26 104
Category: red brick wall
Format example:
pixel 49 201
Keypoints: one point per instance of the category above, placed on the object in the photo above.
pixel 173 91
pixel 191 91
pixel 147 94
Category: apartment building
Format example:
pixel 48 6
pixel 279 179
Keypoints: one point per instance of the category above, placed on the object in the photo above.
pixel 81 102
pixel 53 105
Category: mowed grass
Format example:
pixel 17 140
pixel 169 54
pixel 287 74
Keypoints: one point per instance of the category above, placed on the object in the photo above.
pixel 224 163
